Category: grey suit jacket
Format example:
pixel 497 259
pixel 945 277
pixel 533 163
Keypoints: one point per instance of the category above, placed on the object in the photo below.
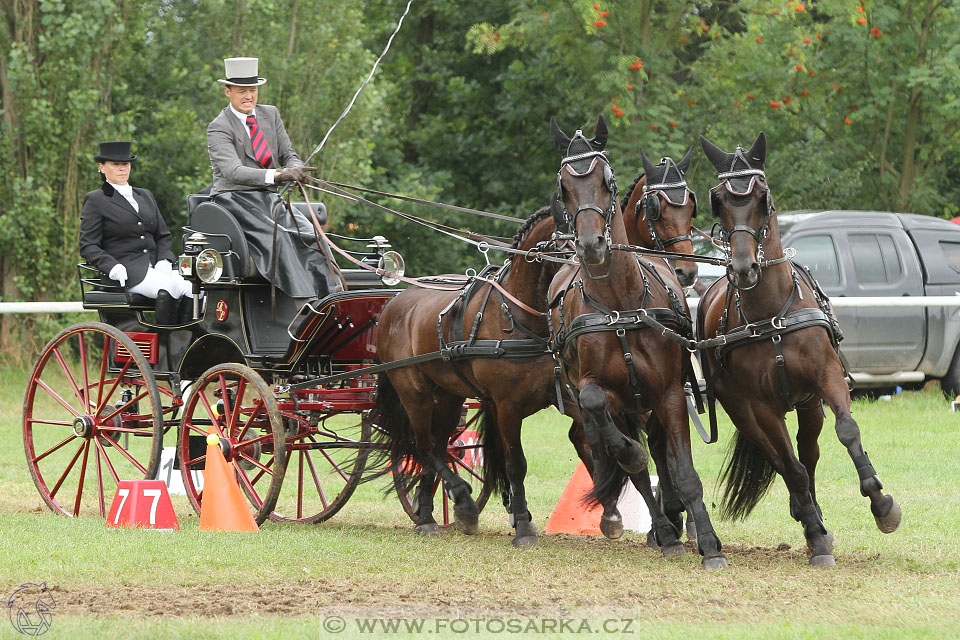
pixel 231 152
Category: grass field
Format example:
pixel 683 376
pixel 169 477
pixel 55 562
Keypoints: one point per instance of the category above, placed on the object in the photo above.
pixel 366 564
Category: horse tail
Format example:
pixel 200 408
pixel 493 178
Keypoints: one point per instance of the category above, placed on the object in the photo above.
pixel 609 477
pixel 494 459
pixel 748 475
pixel 392 432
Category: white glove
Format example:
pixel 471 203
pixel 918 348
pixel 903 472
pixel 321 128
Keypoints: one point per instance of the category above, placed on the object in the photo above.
pixel 163 266
pixel 119 273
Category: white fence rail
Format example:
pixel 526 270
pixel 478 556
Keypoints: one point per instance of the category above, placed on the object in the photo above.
pixel 838 302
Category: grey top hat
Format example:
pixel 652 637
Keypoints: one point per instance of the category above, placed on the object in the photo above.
pixel 118 151
pixel 241 72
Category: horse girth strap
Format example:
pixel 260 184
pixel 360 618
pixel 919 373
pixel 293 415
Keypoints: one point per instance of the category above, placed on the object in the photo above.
pixel 510 349
pixel 767 329
pixel 666 320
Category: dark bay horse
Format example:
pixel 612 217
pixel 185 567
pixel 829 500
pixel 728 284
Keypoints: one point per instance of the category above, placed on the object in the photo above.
pixel 418 406
pixel 615 366
pixel 773 347
pixel 658 209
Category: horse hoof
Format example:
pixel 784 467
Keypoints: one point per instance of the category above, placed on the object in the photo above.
pixel 652 540
pixel 466 517
pixel 888 523
pixel 525 542
pixel 611 527
pixel 675 550
pixel 823 561
pixel 431 530
pixel 715 562
pixel 828 541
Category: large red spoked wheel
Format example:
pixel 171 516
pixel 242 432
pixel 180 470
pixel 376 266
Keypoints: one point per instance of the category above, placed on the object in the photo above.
pixel 465 458
pixel 324 465
pixel 233 401
pixel 92 416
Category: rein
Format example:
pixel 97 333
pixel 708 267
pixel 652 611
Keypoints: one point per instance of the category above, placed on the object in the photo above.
pixel 319 233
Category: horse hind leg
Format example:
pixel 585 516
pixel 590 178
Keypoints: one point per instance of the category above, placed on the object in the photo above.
pixel 885 509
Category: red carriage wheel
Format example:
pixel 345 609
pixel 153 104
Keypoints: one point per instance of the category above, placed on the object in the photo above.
pixel 233 401
pixel 324 465
pixel 465 458
pixel 92 416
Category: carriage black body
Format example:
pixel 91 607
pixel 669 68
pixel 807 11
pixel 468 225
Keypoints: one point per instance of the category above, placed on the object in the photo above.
pixel 226 370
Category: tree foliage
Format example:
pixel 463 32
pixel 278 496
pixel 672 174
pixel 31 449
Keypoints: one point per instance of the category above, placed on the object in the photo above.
pixel 858 100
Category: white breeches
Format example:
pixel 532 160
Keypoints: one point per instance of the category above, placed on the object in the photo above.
pixel 155 281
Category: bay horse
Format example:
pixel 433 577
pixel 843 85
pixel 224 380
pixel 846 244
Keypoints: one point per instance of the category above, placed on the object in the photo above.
pixel 772 344
pixel 418 406
pixel 659 208
pixel 599 310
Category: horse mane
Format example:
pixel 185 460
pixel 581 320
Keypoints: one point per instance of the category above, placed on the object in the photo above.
pixel 629 191
pixel 537 216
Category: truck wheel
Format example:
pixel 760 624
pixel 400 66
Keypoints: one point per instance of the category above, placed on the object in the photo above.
pixel 950 383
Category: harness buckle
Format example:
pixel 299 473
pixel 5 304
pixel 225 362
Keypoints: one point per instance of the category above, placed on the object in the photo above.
pixel 621 332
pixel 778 323
pixel 614 319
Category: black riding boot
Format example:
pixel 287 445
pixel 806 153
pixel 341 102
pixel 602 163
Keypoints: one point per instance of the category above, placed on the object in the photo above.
pixel 166 309
pixel 185 310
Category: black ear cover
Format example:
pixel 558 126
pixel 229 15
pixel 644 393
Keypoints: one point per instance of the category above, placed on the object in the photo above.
pixel 559 214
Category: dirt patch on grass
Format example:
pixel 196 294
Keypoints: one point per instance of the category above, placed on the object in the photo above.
pixel 676 592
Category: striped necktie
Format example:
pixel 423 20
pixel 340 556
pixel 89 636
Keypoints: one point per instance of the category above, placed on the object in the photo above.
pixel 261 150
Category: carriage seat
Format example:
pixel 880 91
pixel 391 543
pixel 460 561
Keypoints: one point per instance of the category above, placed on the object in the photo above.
pixel 97 295
pixel 223 233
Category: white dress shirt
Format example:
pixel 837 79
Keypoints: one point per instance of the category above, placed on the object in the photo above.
pixel 127 192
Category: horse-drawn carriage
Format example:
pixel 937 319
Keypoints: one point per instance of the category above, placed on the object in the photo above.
pixel 575 318
pixel 105 397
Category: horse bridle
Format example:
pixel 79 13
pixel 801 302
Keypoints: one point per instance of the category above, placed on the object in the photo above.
pixel 757 178
pixel 570 221
pixel 650 203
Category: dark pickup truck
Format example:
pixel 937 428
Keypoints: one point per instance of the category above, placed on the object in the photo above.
pixel 877 254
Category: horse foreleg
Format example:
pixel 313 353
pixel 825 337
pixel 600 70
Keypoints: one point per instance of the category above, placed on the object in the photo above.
pixel 508 425
pixel 666 514
pixel 810 424
pixel 671 407
pixel 423 504
pixel 885 509
pixel 628 453
pixel 611 522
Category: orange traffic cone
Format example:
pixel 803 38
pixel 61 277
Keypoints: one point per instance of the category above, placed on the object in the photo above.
pixel 223 508
pixel 571 515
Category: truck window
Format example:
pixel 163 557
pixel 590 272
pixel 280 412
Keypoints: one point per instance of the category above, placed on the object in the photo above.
pixel 875 258
pixel 951 252
pixel 818 253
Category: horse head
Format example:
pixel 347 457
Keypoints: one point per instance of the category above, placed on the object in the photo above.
pixel 663 212
pixel 585 185
pixel 743 205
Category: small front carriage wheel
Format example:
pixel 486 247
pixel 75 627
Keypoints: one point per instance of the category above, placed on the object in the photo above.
pixel 233 401
pixel 92 416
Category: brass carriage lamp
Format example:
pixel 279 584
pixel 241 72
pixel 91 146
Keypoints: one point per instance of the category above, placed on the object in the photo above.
pixel 390 264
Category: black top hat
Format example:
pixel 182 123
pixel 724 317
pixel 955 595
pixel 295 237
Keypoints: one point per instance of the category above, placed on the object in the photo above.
pixel 115 151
